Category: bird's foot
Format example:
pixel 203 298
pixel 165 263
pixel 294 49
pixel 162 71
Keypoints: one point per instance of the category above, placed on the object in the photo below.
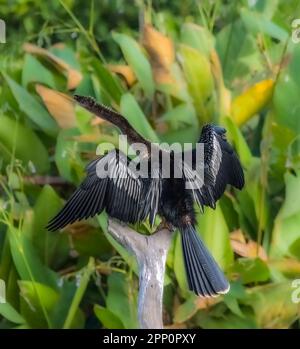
pixel 165 225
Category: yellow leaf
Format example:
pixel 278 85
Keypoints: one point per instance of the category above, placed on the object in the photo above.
pixel 125 71
pixel 288 266
pixel 161 53
pixel 73 76
pixel 252 101
pixel 59 105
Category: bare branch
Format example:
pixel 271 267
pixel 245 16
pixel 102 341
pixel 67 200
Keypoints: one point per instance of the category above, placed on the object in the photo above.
pixel 43 180
pixel 151 253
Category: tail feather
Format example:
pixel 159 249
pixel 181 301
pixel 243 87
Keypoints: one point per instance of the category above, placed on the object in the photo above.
pixel 204 276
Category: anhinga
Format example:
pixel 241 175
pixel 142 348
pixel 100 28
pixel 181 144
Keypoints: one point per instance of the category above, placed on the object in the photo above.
pixel 133 198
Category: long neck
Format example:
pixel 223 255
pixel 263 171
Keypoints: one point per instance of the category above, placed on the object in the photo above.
pixel 115 118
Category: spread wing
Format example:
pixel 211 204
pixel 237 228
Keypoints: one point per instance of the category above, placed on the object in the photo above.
pixel 114 186
pixel 221 167
pixel 110 184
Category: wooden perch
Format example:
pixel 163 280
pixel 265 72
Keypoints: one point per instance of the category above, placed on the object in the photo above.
pixel 151 253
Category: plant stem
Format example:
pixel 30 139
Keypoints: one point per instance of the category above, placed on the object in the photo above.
pixel 79 293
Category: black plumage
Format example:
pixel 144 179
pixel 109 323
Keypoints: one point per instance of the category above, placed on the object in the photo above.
pixel 112 185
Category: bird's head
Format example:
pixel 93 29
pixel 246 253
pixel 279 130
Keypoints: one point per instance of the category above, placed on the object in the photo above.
pixel 221 131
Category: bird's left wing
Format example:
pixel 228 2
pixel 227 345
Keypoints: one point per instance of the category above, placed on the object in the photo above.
pixel 110 184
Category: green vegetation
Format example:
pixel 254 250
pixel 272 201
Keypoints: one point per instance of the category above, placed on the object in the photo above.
pixel 169 67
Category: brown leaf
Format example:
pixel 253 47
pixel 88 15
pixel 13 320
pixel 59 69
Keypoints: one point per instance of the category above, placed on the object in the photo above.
pixel 125 71
pixel 59 105
pixel 88 138
pixel 238 235
pixel 73 76
pixel 78 228
pixel 161 52
pixel 97 121
pixel 206 303
pixel 249 249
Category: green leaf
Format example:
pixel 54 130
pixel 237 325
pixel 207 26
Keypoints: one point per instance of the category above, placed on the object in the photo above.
pixel 197 37
pixel 134 114
pixel 251 270
pixel 237 51
pixel 121 299
pixel 266 7
pixel 200 82
pixel 273 305
pixel 183 135
pixel 179 268
pixel 85 88
pixel 53 249
pixel 233 305
pixel 108 319
pixel 34 71
pixel 214 231
pixel 138 62
pixel 235 135
pixel 9 313
pixel 293 67
pixel 186 310
pixel 67 55
pixel 181 114
pixel 36 302
pixel 257 23
pixel 35 294
pixel 32 108
pixel 60 310
pixel 228 321
pixel 108 82
pixel 26 260
pixel 127 256
pixel 286 227
pixel 92 243
pixel 286 95
pixel 67 157
pixel 21 140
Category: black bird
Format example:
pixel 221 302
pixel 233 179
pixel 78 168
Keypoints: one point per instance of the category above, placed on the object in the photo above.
pixel 132 198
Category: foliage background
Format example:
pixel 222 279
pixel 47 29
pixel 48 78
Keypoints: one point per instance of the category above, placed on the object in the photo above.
pixel 169 67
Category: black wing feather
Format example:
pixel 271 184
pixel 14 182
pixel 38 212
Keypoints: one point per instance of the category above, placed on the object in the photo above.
pixel 119 196
pixel 221 167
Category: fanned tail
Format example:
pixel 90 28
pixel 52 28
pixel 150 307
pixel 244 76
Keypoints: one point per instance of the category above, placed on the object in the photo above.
pixel 204 276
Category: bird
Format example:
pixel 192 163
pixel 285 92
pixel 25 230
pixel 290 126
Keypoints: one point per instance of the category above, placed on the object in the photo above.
pixel 131 196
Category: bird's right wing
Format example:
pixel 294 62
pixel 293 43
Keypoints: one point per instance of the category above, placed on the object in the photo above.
pixel 221 166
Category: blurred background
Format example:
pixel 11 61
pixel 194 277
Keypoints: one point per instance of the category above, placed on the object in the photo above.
pixel 169 67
